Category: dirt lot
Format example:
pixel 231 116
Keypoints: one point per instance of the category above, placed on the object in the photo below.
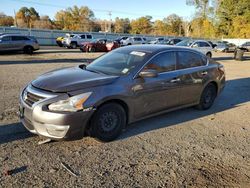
pixel 186 148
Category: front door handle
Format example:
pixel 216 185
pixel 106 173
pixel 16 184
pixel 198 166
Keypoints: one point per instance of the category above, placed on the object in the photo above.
pixel 174 80
pixel 204 73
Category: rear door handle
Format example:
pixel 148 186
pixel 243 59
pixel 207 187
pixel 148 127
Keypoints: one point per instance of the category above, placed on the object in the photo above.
pixel 174 80
pixel 204 73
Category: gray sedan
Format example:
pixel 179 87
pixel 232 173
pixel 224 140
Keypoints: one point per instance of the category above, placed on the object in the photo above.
pixel 118 88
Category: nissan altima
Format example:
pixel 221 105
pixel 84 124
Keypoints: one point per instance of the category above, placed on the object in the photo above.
pixel 123 86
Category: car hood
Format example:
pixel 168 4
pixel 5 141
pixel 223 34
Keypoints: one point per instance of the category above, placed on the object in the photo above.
pixel 71 79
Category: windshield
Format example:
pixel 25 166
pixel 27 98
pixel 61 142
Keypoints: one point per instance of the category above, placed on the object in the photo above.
pixel 117 62
pixel 184 43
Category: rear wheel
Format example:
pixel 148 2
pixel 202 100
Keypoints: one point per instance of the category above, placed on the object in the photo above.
pixel 207 97
pixel 28 50
pixel 73 45
pixel 209 55
pixel 108 122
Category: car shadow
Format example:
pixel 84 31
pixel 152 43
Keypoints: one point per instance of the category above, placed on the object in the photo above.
pixel 13 132
pixel 246 57
pixel 235 94
pixel 62 51
pixel 46 61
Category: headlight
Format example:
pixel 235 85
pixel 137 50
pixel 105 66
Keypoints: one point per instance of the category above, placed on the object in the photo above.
pixel 71 104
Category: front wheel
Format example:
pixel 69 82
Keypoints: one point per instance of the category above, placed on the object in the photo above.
pixel 28 50
pixel 207 97
pixel 92 49
pixel 209 55
pixel 73 45
pixel 108 122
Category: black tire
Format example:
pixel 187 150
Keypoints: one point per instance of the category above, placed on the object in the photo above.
pixel 28 50
pixel 108 122
pixel 73 45
pixel 207 97
pixel 209 55
pixel 92 49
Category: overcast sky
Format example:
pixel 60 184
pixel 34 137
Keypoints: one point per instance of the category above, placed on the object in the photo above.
pixel 132 9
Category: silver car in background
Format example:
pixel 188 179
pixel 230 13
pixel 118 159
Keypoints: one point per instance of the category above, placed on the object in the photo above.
pixel 133 41
pixel 18 42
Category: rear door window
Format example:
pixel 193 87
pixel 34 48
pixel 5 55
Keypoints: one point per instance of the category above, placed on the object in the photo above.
pixel 137 39
pixel 204 44
pixel 18 38
pixel 189 60
pixel 7 38
pixel 89 36
pixel 163 62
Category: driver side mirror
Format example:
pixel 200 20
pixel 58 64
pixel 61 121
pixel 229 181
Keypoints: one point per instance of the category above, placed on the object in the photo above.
pixel 148 73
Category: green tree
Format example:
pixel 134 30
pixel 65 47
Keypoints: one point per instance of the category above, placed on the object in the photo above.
pixel 6 20
pixel 75 18
pixel 43 23
pixel 160 28
pixel 141 25
pixel 202 6
pixel 26 17
pixel 241 27
pixel 231 14
pixel 174 25
pixel 121 25
pixel 202 28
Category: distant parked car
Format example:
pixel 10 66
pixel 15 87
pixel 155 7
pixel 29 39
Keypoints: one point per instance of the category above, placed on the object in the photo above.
pixel 157 40
pixel 212 44
pixel 145 40
pixel 67 35
pixel 77 40
pixel 133 40
pixel 201 45
pixel 98 45
pixel 245 46
pixel 119 39
pixel 225 47
pixel 17 42
pixel 173 41
pixel 59 41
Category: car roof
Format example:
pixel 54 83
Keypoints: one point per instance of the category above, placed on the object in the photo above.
pixel 200 41
pixel 153 49
pixel 12 34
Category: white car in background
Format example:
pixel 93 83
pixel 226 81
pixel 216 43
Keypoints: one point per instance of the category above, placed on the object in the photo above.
pixel 67 35
pixel 77 40
pixel 158 40
pixel 201 45
pixel 133 40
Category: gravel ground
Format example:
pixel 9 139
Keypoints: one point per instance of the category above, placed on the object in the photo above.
pixel 185 148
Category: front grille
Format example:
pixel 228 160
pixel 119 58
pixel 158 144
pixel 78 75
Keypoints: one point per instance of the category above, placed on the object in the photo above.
pixel 31 98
